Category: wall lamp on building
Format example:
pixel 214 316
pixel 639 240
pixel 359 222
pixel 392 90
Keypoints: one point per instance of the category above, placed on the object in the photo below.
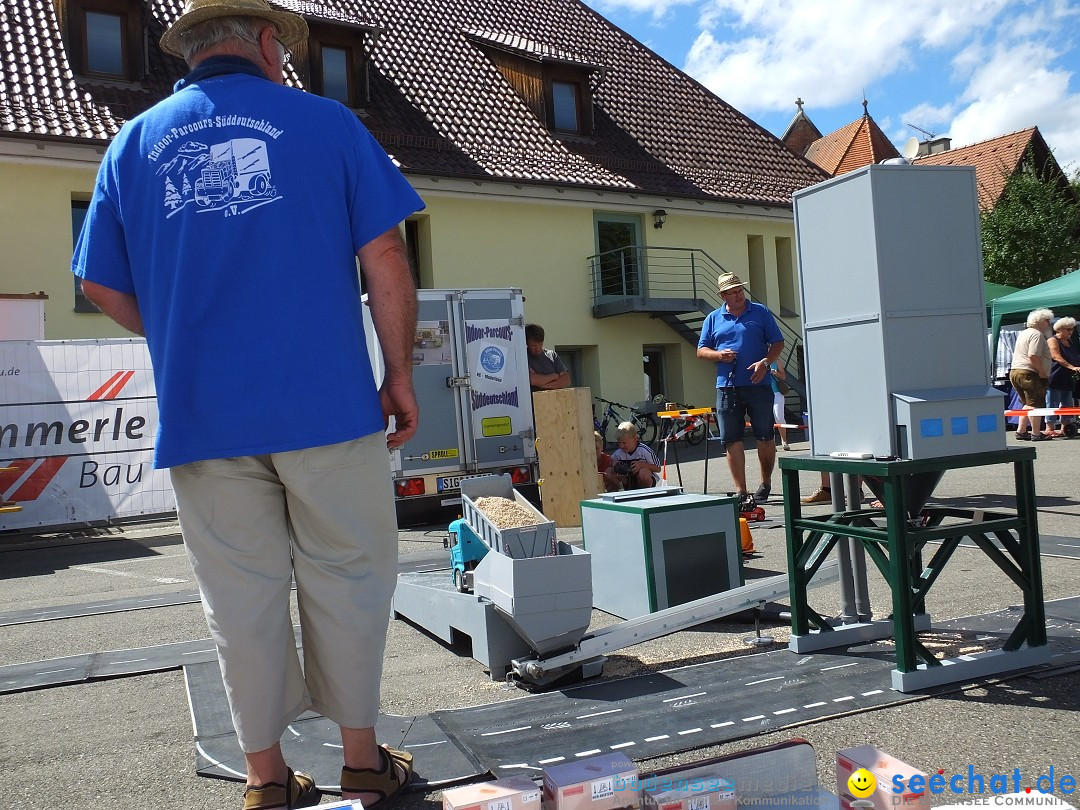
pixel 659 217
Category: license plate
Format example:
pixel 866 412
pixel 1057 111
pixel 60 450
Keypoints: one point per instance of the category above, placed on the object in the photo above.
pixel 447 483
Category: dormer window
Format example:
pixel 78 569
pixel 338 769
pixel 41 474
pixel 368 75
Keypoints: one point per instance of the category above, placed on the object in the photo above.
pixel 338 74
pixel 105 39
pixel 565 103
pixel 556 84
pixel 105 43
pixel 338 61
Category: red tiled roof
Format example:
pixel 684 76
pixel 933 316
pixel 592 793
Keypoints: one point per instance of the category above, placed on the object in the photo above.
pixel 439 105
pixel 858 144
pixel 995 161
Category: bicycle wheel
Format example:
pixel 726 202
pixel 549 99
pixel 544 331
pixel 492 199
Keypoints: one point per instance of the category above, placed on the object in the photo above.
pixel 696 433
pixel 646 428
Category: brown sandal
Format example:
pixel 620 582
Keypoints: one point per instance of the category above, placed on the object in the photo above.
pixel 301 792
pixel 384 782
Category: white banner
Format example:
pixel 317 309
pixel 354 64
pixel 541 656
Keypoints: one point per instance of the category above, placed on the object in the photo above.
pixel 77 426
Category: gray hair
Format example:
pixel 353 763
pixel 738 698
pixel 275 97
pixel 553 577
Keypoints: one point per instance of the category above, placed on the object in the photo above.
pixel 1065 323
pixel 1038 315
pixel 206 35
pixel 626 429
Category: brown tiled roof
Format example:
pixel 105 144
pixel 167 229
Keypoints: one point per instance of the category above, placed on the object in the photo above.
pixel 440 105
pixel 995 161
pixel 859 144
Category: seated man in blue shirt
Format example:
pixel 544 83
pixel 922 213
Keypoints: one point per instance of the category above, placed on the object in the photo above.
pixel 743 338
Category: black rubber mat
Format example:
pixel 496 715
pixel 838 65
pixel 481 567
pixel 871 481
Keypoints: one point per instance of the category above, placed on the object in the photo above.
pixel 314 740
pixel 677 710
pixel 644 716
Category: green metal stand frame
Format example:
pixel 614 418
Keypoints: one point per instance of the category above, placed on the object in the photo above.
pixel 896 547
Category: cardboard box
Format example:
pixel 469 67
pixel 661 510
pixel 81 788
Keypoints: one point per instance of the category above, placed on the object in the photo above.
pixel 511 793
pixel 595 783
pixel 697 793
pixel 884 767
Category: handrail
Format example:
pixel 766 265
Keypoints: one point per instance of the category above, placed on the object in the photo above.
pixel 640 271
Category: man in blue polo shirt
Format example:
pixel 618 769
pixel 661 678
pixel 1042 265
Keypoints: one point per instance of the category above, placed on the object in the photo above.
pixel 226 226
pixel 742 338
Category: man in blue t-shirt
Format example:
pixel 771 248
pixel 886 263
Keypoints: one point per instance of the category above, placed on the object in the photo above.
pixel 743 339
pixel 225 225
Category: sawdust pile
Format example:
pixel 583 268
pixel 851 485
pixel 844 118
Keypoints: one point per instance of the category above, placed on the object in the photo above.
pixel 505 513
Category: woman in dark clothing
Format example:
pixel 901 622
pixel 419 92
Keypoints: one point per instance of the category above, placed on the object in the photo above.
pixel 1066 362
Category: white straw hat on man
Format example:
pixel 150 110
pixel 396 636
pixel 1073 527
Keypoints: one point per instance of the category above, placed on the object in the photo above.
pixel 291 28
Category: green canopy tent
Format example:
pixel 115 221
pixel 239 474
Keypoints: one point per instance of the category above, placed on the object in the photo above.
pixel 992 291
pixel 1060 294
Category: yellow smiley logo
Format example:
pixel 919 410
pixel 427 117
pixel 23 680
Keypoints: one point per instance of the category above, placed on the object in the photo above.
pixel 861 783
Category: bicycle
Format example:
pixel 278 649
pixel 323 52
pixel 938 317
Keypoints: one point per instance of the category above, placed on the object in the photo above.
pixel 692 427
pixel 646 424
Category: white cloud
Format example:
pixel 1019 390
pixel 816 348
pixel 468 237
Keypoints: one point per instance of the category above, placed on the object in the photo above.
pixel 971 70
pixel 760 54
pixel 1014 88
pixel 929 117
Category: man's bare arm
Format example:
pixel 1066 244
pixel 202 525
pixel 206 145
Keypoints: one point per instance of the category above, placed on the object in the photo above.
pixel 392 301
pixel 121 307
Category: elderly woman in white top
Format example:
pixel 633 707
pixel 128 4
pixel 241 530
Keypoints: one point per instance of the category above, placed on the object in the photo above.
pixel 1030 372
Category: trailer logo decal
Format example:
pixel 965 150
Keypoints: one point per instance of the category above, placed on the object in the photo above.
pixel 505 398
pixel 492 359
pixel 496 426
pixel 473 333
pixel 432 455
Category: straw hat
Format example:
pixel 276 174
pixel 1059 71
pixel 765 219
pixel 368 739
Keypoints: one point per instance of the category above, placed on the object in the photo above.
pixel 291 27
pixel 728 281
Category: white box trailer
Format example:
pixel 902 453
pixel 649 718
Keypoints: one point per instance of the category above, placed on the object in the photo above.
pixel 471 372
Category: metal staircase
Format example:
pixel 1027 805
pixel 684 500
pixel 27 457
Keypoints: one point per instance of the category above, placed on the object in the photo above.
pixel 678 286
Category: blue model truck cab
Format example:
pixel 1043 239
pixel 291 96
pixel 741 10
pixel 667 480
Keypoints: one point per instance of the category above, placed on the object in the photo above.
pixel 466 550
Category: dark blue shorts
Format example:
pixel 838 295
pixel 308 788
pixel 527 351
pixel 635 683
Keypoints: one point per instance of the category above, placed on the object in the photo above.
pixel 733 407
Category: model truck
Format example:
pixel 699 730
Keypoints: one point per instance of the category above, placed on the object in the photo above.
pixel 470 537
pixel 471 374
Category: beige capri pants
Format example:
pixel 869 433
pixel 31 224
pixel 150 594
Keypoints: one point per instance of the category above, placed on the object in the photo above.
pixel 326 516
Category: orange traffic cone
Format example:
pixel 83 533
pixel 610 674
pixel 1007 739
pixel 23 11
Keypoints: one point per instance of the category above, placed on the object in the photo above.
pixel 746 538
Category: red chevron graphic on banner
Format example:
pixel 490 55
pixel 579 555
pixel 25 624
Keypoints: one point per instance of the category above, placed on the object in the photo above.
pixel 43 475
pixel 39 478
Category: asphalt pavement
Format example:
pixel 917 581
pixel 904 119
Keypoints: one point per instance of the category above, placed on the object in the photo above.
pixel 125 742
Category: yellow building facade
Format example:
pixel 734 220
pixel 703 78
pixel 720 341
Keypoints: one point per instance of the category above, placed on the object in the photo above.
pixel 541 239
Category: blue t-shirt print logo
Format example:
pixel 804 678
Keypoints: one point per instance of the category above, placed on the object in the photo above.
pixel 492 359
pixel 233 175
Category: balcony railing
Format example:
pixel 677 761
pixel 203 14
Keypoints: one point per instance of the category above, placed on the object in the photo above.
pixel 670 280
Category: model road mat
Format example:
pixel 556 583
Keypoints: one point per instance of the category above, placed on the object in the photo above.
pixel 644 716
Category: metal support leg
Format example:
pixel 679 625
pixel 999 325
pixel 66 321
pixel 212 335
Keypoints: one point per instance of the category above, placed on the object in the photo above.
pixel 795 538
pixel 848 612
pixel 1034 606
pixel 857 552
pixel 900 574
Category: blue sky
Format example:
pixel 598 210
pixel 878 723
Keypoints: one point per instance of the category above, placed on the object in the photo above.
pixel 970 70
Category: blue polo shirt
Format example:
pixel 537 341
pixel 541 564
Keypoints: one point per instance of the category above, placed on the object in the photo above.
pixel 233 211
pixel 750 335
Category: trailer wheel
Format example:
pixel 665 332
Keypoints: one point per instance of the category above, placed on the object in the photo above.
pixel 1069 429
pixel 459 580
